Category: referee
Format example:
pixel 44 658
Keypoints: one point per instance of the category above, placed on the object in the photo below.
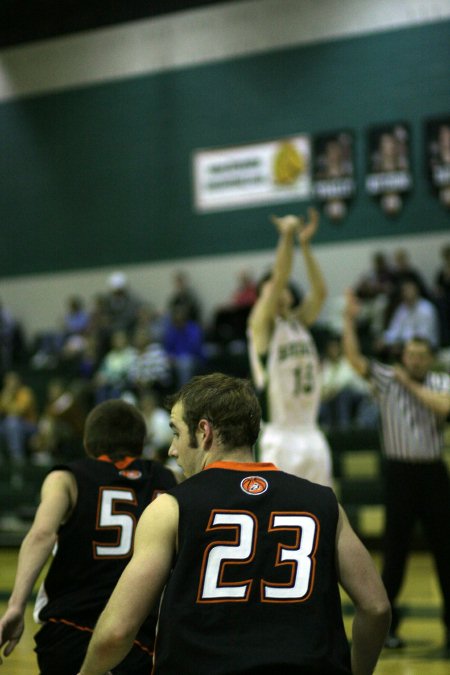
pixel 414 405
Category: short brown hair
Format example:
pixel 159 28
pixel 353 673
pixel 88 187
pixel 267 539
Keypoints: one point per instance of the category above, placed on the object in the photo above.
pixel 229 403
pixel 114 428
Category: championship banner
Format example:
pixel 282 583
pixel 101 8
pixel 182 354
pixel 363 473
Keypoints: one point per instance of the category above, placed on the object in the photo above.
pixel 250 175
pixel 389 167
pixel 437 139
pixel 333 172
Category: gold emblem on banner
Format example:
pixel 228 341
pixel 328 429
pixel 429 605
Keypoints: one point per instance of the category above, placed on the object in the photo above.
pixel 289 163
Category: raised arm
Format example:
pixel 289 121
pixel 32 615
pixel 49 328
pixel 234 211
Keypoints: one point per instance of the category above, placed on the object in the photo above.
pixel 317 293
pixel 360 580
pixel 350 338
pixel 57 498
pixel 264 310
pixel 138 589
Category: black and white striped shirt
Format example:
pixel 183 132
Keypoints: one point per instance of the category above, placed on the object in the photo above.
pixel 411 431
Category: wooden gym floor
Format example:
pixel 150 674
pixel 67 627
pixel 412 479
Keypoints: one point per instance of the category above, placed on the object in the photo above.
pixel 421 628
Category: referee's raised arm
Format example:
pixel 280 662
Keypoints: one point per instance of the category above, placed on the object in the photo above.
pixel 350 338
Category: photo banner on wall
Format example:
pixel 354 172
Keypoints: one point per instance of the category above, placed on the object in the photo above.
pixel 389 177
pixel 437 156
pixel 333 172
pixel 252 175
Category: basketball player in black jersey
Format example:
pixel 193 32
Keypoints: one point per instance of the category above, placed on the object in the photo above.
pixel 250 557
pixel 88 513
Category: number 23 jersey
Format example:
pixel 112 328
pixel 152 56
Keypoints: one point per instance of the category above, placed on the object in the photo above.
pixel 254 584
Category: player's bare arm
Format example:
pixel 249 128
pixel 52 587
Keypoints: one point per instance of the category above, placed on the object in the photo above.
pixel 361 581
pixel 350 338
pixel 317 293
pixel 57 498
pixel 138 589
pixel 265 308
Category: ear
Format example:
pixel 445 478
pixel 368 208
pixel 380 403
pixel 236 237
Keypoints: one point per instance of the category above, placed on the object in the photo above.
pixel 205 433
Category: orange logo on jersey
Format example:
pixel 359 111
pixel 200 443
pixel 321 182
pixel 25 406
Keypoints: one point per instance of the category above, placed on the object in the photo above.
pixel 254 485
pixel 131 474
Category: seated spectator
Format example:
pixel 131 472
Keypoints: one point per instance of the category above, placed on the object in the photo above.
pixel 404 270
pixel 99 328
pixel 346 399
pixel 375 290
pixel 60 428
pixel 414 317
pixel 157 419
pixel 75 327
pixel 184 297
pixel 150 366
pixel 111 378
pixel 121 305
pixel 18 410
pixel 183 342
pixel 230 320
pixel 442 295
pixel 11 339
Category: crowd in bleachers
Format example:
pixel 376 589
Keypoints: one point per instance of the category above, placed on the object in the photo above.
pixel 121 346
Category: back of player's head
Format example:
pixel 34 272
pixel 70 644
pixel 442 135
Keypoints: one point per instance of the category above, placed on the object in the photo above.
pixel 114 428
pixel 228 403
pixel 296 291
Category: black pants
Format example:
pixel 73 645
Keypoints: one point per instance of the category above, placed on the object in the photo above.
pixel 416 492
pixel 61 650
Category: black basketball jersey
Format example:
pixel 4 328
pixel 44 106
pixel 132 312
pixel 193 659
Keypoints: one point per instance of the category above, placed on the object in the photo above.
pixel 96 542
pixel 254 585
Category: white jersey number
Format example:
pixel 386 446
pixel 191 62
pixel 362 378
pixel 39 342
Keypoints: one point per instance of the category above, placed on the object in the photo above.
pixel 242 550
pixel 120 522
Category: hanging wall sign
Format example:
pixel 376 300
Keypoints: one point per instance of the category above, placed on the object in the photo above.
pixel 333 172
pixel 249 175
pixel 389 176
pixel 437 155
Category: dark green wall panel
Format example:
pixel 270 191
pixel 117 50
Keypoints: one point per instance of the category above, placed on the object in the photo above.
pixel 102 175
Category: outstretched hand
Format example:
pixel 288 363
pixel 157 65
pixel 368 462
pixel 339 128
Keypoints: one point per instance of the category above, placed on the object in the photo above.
pixel 307 230
pixel 286 224
pixel 11 628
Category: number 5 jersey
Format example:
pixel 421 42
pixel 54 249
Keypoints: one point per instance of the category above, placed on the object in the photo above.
pixel 96 542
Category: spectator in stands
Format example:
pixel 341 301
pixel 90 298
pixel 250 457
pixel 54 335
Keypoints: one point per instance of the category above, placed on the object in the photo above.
pixel 75 327
pixel 414 316
pixel 99 324
pixel 346 399
pixel 157 419
pixel 375 290
pixel 10 335
pixel 442 295
pixel 183 342
pixel 121 304
pixel 111 378
pixel 150 366
pixel 230 320
pixel 184 297
pixel 18 410
pixel 60 427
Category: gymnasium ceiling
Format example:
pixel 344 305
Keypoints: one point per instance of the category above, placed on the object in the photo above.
pixel 25 21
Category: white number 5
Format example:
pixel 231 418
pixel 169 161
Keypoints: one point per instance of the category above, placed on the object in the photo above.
pixel 109 518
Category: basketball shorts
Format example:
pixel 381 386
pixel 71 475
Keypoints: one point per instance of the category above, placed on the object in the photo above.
pixel 302 451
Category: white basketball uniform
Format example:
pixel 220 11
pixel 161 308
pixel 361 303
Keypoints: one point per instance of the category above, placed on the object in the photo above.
pixel 290 378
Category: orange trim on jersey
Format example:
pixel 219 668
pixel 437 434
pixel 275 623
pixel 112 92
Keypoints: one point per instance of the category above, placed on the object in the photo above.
pixel 72 624
pixel 243 466
pixel 120 464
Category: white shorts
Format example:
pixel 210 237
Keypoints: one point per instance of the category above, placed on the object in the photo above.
pixel 302 451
